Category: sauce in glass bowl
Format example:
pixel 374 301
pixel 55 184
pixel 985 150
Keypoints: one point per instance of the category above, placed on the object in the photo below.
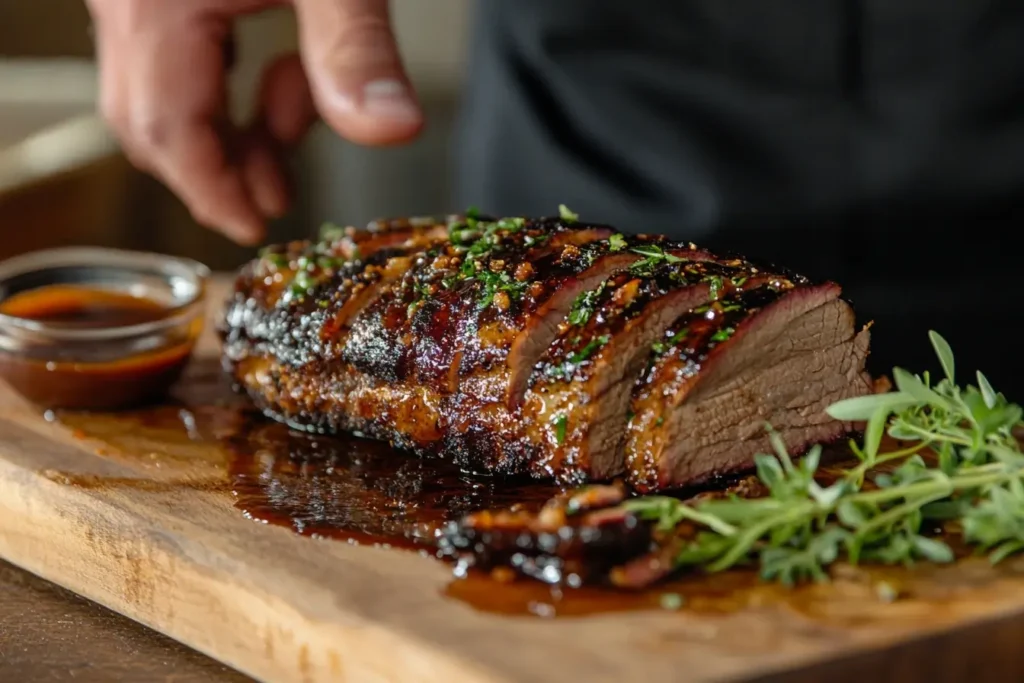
pixel 98 329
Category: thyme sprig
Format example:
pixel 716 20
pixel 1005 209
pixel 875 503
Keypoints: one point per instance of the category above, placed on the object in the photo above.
pixel 802 527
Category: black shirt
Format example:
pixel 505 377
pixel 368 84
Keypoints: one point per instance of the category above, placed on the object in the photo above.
pixel 878 143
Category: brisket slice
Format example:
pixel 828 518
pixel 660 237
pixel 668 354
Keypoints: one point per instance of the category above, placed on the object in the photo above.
pixel 576 408
pixel 576 538
pixel 485 430
pixel 416 330
pixel 777 354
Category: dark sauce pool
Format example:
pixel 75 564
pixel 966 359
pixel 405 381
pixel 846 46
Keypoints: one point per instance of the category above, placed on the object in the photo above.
pixel 360 491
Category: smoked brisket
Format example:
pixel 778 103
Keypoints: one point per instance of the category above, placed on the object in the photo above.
pixel 544 346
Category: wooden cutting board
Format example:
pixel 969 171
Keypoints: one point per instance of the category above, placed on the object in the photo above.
pixel 149 528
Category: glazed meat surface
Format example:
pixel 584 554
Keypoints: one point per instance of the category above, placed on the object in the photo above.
pixel 549 346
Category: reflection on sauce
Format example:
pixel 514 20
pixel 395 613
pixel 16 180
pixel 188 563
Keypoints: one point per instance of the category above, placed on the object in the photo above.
pixel 83 307
pixel 847 600
pixel 58 375
pixel 358 490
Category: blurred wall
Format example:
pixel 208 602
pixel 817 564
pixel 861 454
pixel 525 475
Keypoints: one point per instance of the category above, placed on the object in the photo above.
pixel 336 181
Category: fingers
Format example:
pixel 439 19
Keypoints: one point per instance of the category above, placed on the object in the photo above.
pixel 285 113
pixel 286 104
pixel 263 172
pixel 358 83
pixel 179 111
pixel 163 89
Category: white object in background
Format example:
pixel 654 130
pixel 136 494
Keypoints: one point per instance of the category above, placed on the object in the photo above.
pixel 48 119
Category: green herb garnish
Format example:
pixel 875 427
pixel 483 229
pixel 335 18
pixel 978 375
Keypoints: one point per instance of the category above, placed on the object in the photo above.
pixel 276 259
pixel 329 232
pixel 723 334
pixel 499 282
pixel 585 353
pixel 616 242
pixel 301 283
pixel 479 239
pixel 716 286
pixel 802 527
pixel 653 256
pixel 584 305
pixel 566 215
pixel 560 428
pixel 661 347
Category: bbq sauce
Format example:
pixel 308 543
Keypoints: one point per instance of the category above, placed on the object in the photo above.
pixel 100 375
pixel 358 490
pixel 83 307
pixel 363 492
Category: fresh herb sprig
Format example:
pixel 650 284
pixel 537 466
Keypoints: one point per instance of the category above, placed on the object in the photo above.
pixel 802 527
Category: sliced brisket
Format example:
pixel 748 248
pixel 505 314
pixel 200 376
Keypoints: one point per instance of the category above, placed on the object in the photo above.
pixel 776 354
pixel 515 345
pixel 579 395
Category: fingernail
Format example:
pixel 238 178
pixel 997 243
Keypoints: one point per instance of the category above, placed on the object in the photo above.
pixel 389 99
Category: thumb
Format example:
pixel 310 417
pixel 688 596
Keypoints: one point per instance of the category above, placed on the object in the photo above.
pixel 359 85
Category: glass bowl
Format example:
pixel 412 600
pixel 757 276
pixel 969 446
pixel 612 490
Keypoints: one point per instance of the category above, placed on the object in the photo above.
pixel 98 329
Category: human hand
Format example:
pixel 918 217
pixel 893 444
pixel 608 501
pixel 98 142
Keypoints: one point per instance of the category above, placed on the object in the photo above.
pixel 163 89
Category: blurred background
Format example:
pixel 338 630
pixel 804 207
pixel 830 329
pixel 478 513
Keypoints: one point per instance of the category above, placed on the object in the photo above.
pixel 63 180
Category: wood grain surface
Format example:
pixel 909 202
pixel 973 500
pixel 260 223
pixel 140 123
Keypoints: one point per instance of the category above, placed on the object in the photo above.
pixel 50 634
pixel 149 530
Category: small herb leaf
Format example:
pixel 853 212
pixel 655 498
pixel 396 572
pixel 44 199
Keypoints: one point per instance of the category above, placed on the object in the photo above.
pixel 566 214
pixel 987 392
pixel 945 354
pixel 861 408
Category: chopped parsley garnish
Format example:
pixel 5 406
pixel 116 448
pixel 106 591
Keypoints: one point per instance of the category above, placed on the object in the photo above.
pixel 511 224
pixel 661 347
pixel 485 237
pixel 276 259
pixel 584 305
pixel 616 242
pixel 566 214
pixel 716 285
pixel 301 283
pixel 499 282
pixel 462 235
pixel 653 256
pixel 423 290
pixel 329 232
pixel 329 262
pixel 585 353
pixel 567 368
pixel 723 334
pixel 560 428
